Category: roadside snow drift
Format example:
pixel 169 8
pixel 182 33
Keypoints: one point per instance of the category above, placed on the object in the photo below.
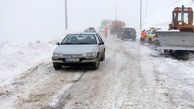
pixel 17 58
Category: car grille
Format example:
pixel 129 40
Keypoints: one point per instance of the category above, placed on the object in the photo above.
pixel 72 55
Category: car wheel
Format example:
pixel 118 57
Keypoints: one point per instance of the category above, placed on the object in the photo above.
pixel 57 66
pixel 156 43
pixel 150 40
pixel 134 39
pixel 122 38
pixel 97 63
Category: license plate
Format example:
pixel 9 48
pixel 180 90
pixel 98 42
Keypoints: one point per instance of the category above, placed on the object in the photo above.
pixel 72 60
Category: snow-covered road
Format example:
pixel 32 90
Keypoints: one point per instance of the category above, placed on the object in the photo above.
pixel 132 77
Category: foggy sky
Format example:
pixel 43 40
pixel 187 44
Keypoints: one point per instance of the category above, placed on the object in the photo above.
pixel 26 20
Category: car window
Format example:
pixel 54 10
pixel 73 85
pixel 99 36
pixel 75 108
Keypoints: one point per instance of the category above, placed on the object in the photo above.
pixel 99 38
pixel 79 39
pixel 87 30
pixel 147 32
pixel 127 31
pixel 153 32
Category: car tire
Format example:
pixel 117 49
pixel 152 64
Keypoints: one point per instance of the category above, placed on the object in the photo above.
pixel 57 66
pixel 122 38
pixel 134 39
pixel 97 63
pixel 156 43
pixel 150 40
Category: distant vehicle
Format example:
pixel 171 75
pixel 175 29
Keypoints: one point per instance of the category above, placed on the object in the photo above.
pixel 121 30
pixel 101 29
pixel 127 33
pixel 116 25
pixel 75 49
pixel 90 30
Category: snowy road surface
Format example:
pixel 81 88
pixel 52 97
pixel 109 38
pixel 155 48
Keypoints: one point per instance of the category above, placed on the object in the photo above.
pixel 132 77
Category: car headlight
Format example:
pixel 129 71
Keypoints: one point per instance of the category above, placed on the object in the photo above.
pixel 57 55
pixel 92 54
pixel 187 23
pixel 193 23
pixel 180 23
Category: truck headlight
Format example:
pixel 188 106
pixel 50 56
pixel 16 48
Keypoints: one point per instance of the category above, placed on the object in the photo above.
pixel 92 54
pixel 180 23
pixel 57 55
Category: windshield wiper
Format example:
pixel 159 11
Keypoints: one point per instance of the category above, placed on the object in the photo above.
pixel 75 43
pixel 66 43
pixel 85 43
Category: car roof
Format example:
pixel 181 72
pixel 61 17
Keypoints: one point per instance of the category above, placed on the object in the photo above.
pixel 84 33
pixel 130 28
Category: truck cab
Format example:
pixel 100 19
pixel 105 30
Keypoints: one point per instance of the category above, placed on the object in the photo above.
pixel 182 19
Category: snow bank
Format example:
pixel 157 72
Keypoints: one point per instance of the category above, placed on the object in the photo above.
pixel 16 58
pixel 163 17
pixel 2 44
pixel 178 77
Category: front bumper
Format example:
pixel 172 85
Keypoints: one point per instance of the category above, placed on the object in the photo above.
pixel 81 60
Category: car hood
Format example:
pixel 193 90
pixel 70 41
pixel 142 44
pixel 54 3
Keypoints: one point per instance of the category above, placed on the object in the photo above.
pixel 75 49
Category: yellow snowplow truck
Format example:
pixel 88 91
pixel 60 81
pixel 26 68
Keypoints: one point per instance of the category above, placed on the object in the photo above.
pixel 180 36
pixel 150 35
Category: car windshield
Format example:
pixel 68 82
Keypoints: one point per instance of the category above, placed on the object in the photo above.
pixel 148 32
pixel 186 17
pixel 79 39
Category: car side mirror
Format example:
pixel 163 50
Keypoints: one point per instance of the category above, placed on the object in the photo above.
pixel 101 43
pixel 57 43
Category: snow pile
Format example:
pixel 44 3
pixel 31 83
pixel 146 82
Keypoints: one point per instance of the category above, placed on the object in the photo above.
pixel 2 44
pixel 178 77
pixel 16 58
pixel 163 17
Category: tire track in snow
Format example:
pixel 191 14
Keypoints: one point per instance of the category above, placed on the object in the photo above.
pixel 60 103
pixel 36 87
pixel 108 87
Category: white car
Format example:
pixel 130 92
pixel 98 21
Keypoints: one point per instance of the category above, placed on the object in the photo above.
pixel 76 49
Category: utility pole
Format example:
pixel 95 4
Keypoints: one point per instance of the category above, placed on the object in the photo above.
pixel 66 16
pixel 140 14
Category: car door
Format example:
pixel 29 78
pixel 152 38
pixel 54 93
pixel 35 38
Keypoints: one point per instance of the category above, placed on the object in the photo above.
pixel 101 47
